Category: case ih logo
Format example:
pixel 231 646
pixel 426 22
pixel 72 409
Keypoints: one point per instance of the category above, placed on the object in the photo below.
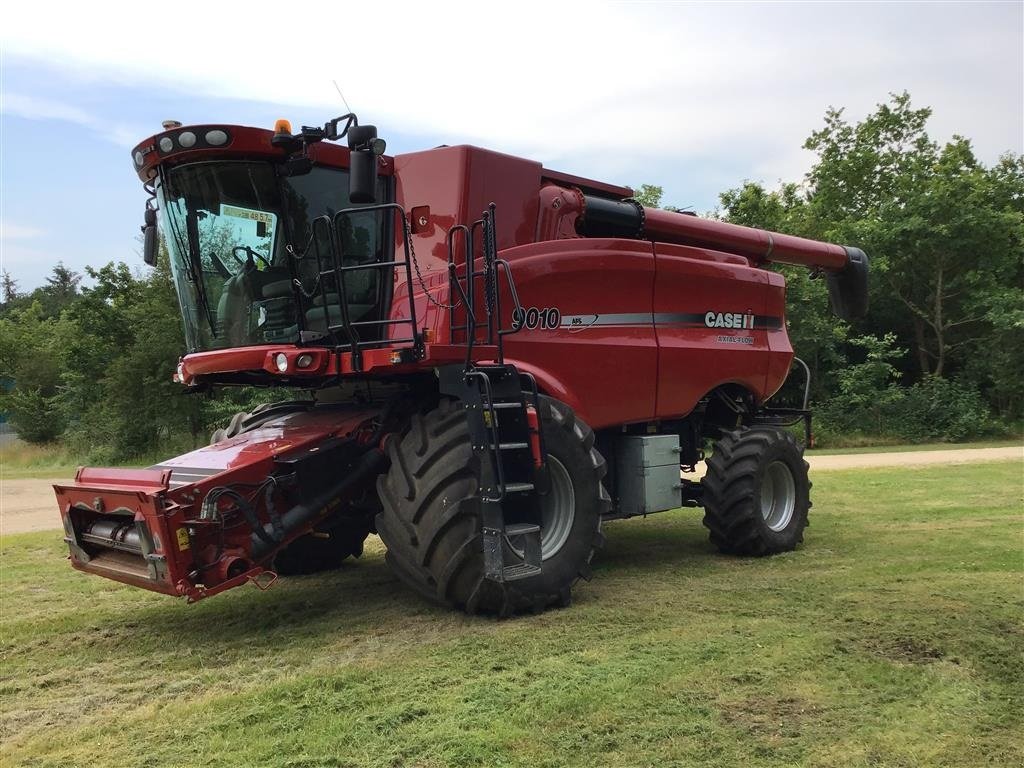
pixel 729 320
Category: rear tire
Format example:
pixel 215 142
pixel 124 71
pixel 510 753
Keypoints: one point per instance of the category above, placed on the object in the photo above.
pixel 431 524
pixel 756 492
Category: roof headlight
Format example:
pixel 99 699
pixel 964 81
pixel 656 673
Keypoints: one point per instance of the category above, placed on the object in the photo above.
pixel 281 362
pixel 166 144
pixel 138 158
pixel 216 137
pixel 187 139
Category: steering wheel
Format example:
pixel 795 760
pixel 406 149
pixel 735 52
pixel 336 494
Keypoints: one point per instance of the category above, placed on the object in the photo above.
pixel 250 254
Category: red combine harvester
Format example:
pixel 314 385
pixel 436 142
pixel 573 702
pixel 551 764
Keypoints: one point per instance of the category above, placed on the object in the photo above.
pixel 498 358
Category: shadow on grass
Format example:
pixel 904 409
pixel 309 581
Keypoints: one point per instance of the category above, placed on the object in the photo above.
pixel 363 595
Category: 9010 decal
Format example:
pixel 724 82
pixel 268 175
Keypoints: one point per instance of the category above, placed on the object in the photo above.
pixel 532 318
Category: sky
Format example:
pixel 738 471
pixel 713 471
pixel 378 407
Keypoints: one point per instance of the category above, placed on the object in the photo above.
pixel 693 97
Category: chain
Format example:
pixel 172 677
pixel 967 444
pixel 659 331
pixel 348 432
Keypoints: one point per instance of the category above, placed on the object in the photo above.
pixel 419 277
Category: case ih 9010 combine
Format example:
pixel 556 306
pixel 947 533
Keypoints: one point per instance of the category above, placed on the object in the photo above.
pixel 500 358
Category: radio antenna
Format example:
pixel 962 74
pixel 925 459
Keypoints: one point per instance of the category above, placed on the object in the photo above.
pixel 343 99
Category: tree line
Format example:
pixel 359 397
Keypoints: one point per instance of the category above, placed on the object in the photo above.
pixel 940 355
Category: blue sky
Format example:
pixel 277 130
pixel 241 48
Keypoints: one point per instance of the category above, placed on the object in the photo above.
pixel 694 97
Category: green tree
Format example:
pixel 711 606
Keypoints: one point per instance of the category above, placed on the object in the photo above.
pixel 945 236
pixel 8 289
pixel 945 233
pixel 31 358
pixel 648 195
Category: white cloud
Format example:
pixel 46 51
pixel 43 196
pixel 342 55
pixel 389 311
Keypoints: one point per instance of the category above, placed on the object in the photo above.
pixel 648 81
pixel 35 108
pixel 11 231
pixel 39 108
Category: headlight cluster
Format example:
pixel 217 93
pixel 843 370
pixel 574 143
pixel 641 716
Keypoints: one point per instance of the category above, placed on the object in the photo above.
pixel 302 362
pixel 185 139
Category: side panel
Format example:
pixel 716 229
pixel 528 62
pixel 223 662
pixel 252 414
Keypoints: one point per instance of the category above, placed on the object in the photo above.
pixel 454 185
pixel 588 335
pixel 710 314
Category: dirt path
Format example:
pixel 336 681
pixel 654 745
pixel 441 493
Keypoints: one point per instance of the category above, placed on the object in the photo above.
pixel 28 505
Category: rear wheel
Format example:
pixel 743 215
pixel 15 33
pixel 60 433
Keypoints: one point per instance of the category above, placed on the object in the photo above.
pixel 756 492
pixel 431 524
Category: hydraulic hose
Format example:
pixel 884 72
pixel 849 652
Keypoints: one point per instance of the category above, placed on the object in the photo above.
pixel 305 513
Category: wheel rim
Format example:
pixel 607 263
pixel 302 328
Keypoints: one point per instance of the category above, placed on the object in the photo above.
pixel 778 496
pixel 557 512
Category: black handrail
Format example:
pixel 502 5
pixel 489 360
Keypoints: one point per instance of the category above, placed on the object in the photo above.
pixel 331 227
pixel 492 267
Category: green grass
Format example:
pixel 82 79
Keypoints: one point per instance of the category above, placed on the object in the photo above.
pixel 894 637
pixel 20 460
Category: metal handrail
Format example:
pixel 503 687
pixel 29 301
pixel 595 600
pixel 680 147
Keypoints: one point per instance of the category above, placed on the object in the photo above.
pixel 329 229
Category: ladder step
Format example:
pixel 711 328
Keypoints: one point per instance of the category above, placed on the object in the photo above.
pixel 519 571
pixel 518 487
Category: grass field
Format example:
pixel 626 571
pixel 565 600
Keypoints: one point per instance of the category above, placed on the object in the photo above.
pixel 894 637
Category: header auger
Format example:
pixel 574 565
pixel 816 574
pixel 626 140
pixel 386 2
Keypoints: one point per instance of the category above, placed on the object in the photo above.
pixel 497 358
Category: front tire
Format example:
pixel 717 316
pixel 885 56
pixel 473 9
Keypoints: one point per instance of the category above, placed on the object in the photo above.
pixel 756 492
pixel 430 521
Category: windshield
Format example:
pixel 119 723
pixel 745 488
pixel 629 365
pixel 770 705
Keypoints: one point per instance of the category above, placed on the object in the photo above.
pixel 231 229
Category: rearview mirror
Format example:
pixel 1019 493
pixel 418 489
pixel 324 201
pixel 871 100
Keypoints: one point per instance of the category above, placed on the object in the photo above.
pixel 149 238
pixel 364 148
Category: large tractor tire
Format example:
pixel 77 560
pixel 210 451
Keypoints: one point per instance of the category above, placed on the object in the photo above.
pixel 432 528
pixel 756 492
pixel 243 422
pixel 326 548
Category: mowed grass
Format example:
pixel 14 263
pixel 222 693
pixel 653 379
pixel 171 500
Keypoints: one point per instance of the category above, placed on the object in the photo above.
pixel 894 637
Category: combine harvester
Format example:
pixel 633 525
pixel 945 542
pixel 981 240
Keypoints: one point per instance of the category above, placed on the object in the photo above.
pixel 499 356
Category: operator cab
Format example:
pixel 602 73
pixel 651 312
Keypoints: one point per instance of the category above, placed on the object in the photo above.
pixel 243 252
pixel 250 225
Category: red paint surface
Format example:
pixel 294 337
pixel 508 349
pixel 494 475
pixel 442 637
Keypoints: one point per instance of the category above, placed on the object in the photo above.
pixel 154 496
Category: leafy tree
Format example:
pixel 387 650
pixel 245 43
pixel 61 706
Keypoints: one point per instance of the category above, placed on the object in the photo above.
pixel 648 195
pixel 30 358
pixel 944 232
pixel 62 285
pixel 8 289
pixel 945 236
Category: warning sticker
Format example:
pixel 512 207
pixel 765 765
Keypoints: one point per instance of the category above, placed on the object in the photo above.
pixel 182 535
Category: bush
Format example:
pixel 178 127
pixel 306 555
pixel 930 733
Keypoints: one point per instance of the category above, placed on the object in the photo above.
pixel 940 409
pixel 935 409
pixel 35 417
